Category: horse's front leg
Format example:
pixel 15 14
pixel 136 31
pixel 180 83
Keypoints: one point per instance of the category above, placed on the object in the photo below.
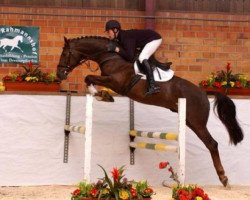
pixel 92 80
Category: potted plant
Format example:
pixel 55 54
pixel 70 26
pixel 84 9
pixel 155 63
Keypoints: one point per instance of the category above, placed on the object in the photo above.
pixel 226 82
pixel 182 191
pixel 31 78
pixel 115 188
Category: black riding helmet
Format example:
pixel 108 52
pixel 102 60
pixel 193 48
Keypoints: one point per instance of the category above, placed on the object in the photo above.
pixel 112 24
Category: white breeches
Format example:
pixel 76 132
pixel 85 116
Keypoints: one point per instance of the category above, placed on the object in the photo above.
pixel 149 49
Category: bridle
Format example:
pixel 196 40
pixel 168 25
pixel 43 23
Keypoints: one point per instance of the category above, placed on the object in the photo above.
pixel 87 57
pixel 71 54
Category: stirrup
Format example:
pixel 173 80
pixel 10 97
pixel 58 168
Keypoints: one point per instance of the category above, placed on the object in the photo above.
pixel 153 90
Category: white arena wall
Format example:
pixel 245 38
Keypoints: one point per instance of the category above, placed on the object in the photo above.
pixel 32 142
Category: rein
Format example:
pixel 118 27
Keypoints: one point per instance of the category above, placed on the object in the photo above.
pixel 87 58
pixel 83 61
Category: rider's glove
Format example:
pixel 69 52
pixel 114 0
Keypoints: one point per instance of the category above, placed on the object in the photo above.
pixel 111 46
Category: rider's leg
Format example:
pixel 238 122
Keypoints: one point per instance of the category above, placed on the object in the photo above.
pixel 147 51
pixel 150 77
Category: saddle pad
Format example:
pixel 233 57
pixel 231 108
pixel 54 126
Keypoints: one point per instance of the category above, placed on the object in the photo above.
pixel 164 75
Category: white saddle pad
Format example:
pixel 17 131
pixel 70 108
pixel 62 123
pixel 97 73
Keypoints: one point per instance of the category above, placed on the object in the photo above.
pixel 162 76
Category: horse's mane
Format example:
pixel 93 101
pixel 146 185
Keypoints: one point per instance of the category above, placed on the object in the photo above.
pixel 89 37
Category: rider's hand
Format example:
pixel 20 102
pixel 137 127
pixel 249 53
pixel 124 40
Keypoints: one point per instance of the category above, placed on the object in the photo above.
pixel 111 47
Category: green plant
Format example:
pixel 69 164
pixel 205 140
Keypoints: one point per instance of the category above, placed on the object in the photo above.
pixel 31 73
pixel 117 187
pixel 173 174
pixel 226 79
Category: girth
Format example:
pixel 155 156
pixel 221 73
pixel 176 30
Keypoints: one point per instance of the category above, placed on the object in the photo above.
pixel 131 84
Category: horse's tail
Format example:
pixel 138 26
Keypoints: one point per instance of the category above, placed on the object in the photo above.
pixel 227 114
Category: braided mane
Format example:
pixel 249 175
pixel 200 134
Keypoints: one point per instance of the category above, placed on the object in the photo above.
pixel 90 37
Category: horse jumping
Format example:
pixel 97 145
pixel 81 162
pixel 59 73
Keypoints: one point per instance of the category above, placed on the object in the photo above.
pixel 118 74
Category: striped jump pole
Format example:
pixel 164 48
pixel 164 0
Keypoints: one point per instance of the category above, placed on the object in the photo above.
pixel 159 135
pixel 152 146
pixel 78 129
pixel 180 137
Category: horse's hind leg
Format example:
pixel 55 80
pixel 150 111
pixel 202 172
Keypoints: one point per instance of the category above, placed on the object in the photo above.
pixel 212 146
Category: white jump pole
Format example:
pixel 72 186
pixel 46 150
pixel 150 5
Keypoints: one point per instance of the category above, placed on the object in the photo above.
pixel 181 138
pixel 88 136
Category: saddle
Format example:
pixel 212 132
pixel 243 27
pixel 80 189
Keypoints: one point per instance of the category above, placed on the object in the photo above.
pixel 164 66
pixel 154 64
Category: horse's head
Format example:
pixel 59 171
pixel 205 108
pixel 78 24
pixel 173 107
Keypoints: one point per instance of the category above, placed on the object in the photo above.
pixel 19 38
pixel 77 51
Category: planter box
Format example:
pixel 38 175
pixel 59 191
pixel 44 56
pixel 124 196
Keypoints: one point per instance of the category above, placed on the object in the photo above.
pixel 29 86
pixel 85 198
pixel 228 91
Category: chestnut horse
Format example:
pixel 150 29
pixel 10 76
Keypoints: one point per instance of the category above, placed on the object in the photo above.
pixel 118 74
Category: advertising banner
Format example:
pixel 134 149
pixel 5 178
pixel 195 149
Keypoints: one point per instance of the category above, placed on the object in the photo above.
pixel 19 44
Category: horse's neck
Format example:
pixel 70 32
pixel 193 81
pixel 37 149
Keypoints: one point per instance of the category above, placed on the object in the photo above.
pixel 116 64
pixel 97 49
pixel 105 57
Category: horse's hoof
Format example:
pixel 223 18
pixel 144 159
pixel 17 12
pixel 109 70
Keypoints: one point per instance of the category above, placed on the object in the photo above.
pixel 104 96
pixel 228 186
pixel 98 98
pixel 225 183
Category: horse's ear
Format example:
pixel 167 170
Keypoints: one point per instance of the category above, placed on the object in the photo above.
pixel 66 41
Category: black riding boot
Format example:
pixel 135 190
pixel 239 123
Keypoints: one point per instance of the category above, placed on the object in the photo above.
pixel 149 73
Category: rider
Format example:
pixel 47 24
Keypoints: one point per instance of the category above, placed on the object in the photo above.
pixel 146 39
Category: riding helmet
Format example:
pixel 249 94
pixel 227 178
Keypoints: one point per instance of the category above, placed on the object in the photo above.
pixel 112 24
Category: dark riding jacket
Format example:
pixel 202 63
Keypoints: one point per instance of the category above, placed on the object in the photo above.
pixel 132 39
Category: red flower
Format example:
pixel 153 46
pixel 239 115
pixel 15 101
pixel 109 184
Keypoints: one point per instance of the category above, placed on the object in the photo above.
pixel 148 190
pixel 163 165
pixel 30 64
pixel 93 192
pixel 133 192
pixel 183 197
pixel 183 192
pixel 238 84
pixel 228 66
pixel 19 78
pixel 115 174
pixel 217 84
pixel 76 192
pixel 204 83
pixel 7 78
pixel 198 192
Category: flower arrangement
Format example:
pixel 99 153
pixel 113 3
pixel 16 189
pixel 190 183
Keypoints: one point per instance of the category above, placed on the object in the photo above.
pixel 183 192
pixel 117 187
pixel 189 192
pixel 31 73
pixel 226 79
